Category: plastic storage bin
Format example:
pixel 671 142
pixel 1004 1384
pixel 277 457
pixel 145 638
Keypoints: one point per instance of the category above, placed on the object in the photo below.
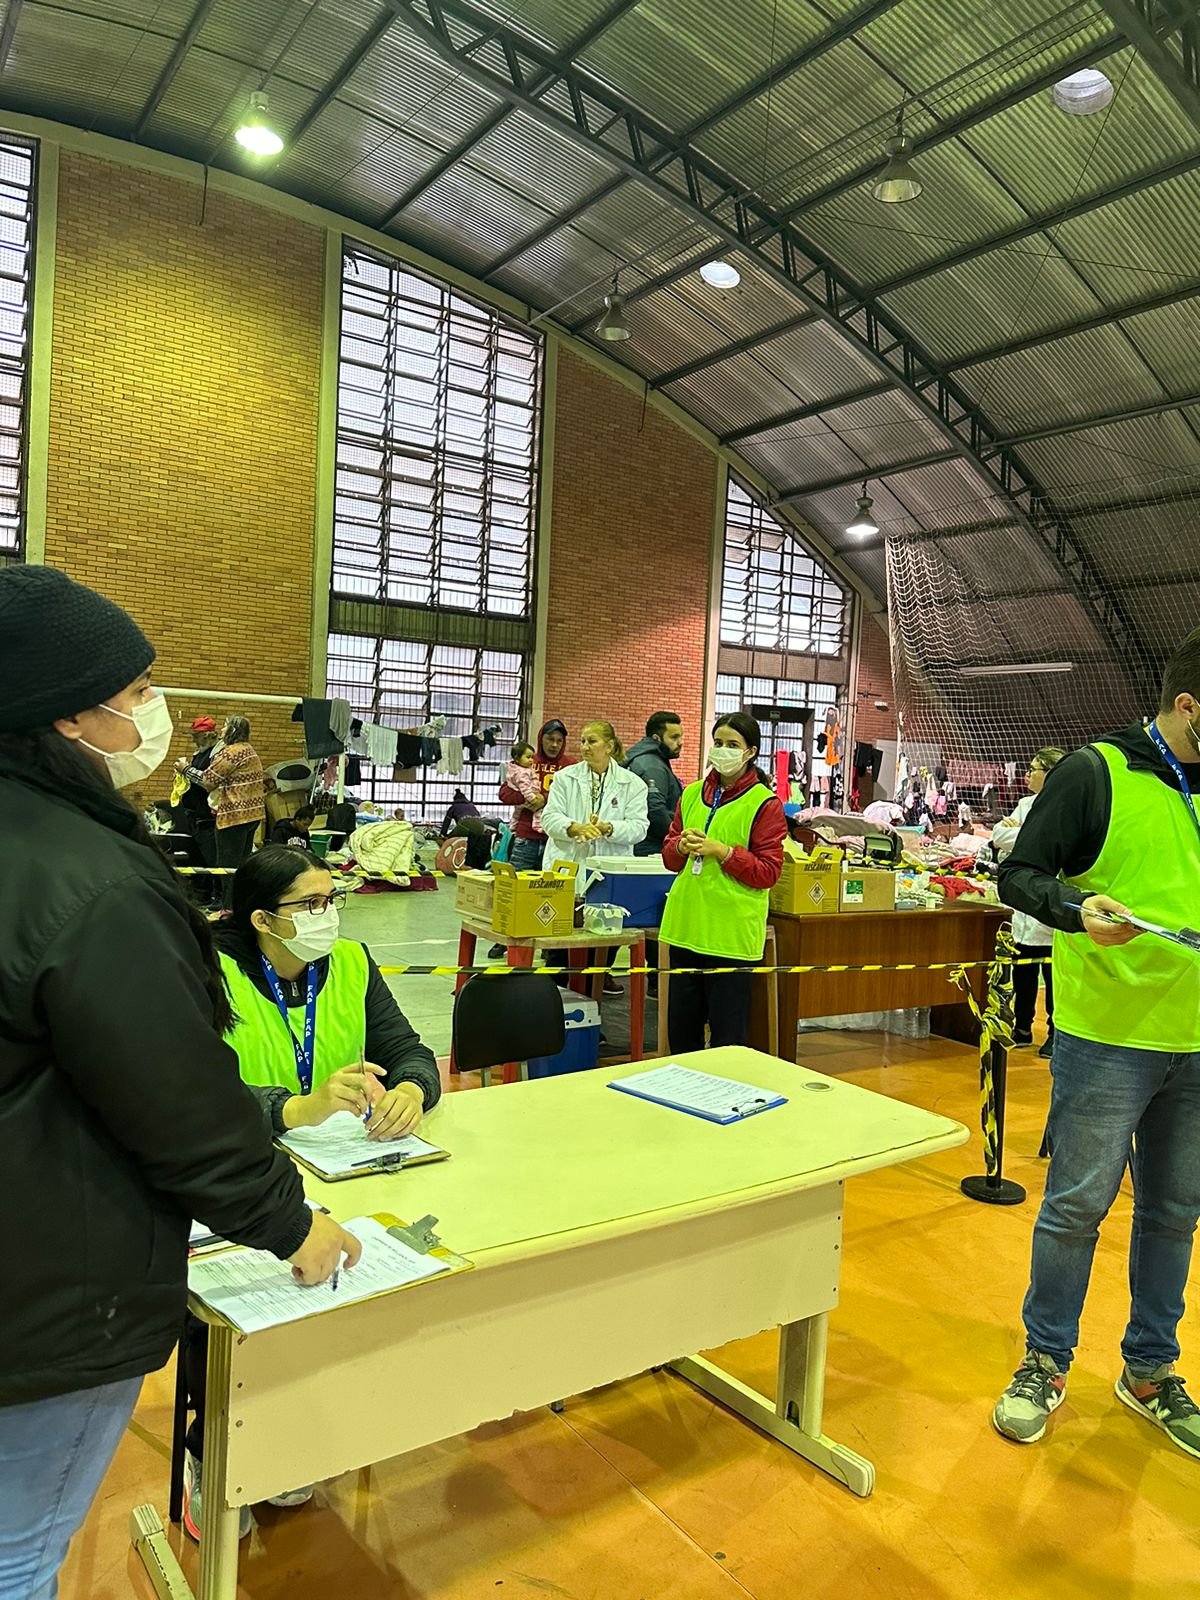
pixel 601 918
pixel 639 883
pixel 581 1051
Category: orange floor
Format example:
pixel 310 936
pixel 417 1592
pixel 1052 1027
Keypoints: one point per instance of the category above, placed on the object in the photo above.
pixel 649 1491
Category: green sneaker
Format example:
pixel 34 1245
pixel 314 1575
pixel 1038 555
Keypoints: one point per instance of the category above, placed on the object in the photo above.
pixel 1162 1399
pixel 1037 1390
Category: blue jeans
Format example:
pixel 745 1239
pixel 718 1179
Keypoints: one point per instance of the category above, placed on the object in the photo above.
pixel 1105 1100
pixel 526 854
pixel 53 1454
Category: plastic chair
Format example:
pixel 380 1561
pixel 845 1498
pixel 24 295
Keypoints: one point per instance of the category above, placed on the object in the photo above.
pixel 506 1018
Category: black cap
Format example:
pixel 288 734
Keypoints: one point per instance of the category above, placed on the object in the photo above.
pixel 63 648
pixel 555 726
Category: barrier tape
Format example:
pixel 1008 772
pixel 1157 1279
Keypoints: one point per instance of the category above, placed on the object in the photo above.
pixel 499 969
pixel 995 1021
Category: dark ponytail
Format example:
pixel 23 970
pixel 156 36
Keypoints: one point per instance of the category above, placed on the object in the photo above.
pixel 45 760
pixel 747 726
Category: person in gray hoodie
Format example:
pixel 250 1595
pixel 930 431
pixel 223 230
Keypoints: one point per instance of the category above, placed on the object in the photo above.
pixel 651 760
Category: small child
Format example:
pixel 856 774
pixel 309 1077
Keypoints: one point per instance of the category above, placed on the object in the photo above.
pixel 521 776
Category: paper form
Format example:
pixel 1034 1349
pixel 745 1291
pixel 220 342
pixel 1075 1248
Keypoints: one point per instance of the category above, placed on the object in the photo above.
pixel 253 1290
pixel 717 1099
pixel 201 1236
pixel 341 1144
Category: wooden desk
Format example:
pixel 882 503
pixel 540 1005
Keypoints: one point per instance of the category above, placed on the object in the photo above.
pixel 521 953
pixel 858 938
pixel 631 1234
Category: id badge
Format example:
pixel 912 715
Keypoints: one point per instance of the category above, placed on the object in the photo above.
pixel 697 866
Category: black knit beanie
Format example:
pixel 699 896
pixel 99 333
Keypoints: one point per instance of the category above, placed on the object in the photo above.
pixel 63 648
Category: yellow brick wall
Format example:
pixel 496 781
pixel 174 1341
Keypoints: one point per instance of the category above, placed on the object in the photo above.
pixel 183 421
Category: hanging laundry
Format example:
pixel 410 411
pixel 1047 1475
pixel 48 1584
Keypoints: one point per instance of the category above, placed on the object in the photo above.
pixel 472 748
pixel 409 751
pixel 356 744
pixel 451 763
pixel 339 720
pixel 319 738
pixel 381 744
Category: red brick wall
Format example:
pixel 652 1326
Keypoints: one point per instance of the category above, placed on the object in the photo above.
pixel 630 552
pixel 183 430
pixel 874 683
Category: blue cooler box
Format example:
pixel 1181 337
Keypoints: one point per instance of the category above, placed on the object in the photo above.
pixel 581 1051
pixel 639 883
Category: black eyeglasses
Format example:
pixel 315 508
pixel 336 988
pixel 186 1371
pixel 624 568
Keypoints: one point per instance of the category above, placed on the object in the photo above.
pixel 317 903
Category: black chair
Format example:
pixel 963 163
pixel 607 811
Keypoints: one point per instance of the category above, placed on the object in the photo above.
pixel 506 1017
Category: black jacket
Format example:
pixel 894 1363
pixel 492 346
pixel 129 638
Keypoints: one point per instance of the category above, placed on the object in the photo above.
pixel 391 1043
pixel 1065 832
pixel 121 1111
pixel 649 760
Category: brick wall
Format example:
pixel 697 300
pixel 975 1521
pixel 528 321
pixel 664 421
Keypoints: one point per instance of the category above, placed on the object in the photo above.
pixel 874 683
pixel 631 534
pixel 183 429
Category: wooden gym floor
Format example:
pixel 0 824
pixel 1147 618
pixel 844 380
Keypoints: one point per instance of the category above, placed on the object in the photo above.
pixel 649 1491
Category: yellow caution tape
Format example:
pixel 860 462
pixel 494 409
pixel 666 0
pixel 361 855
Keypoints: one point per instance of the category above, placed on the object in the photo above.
pixel 995 1019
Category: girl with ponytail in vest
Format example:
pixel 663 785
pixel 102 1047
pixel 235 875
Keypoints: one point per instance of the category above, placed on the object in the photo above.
pixel 726 844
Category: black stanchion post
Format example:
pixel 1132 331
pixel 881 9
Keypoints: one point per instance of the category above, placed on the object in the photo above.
pixel 993 1188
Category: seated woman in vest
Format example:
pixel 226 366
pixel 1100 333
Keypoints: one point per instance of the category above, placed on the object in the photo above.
pixel 726 844
pixel 280 952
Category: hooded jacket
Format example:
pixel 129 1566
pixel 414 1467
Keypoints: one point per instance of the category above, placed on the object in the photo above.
pixel 545 768
pixel 1064 833
pixel 122 1114
pixel 649 760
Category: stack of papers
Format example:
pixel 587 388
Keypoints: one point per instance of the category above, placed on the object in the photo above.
pixel 700 1094
pixel 339 1148
pixel 253 1290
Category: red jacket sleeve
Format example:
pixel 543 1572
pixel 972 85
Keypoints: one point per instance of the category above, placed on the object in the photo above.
pixel 513 797
pixel 758 864
pixel 673 858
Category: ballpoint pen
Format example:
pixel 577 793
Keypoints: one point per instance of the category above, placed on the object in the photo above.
pixel 334 1283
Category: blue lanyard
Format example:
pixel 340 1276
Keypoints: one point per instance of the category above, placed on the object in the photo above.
pixel 1173 762
pixel 712 813
pixel 304 1052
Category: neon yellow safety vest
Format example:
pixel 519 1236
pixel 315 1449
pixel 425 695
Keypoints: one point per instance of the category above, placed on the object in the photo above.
pixel 709 911
pixel 1145 994
pixel 264 1051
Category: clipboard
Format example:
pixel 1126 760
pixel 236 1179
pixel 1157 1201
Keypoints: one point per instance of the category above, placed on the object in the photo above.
pixel 345 1160
pixel 699 1094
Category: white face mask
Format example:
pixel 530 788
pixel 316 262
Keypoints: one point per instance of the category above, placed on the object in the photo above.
pixel 153 723
pixel 316 932
pixel 726 763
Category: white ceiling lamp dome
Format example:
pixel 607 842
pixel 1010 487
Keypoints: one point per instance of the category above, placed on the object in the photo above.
pixel 721 274
pixel 1083 93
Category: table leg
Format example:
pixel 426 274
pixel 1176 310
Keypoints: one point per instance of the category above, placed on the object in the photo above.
pixel 795 1417
pixel 218 1521
pixel 466 958
pixel 637 1003
pixel 577 958
pixel 519 955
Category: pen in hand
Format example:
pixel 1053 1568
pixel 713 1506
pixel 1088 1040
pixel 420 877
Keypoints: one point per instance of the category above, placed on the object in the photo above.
pixel 362 1066
pixel 334 1280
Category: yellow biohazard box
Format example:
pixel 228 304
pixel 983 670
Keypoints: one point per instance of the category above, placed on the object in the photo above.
pixel 473 893
pixel 867 889
pixel 809 884
pixel 530 905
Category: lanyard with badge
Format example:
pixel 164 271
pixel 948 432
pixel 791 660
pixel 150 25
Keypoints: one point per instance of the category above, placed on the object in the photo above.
pixel 1176 767
pixel 698 861
pixel 304 1051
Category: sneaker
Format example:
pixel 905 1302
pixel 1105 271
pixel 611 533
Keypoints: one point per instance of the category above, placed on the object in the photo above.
pixel 1037 1389
pixel 292 1497
pixel 1162 1399
pixel 498 952
pixel 1047 1049
pixel 192 1508
pixel 1022 1036
pixel 611 986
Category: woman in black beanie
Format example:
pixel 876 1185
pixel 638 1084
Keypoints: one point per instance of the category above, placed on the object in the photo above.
pixel 122 1113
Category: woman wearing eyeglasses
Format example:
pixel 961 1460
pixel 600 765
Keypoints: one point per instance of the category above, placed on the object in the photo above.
pixel 316 1030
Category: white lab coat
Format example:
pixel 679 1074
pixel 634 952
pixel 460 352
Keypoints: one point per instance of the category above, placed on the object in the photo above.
pixel 1026 929
pixel 623 803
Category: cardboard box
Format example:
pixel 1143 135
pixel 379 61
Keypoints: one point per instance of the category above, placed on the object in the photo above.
pixel 279 806
pixel 533 905
pixel 473 893
pixel 867 890
pixel 808 885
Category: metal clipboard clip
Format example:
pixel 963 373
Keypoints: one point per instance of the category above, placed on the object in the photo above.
pixel 418 1236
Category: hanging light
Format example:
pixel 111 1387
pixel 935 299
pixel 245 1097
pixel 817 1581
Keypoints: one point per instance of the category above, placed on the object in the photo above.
pixel 721 274
pixel 613 325
pixel 863 525
pixel 254 132
pixel 1083 93
pixel 897 181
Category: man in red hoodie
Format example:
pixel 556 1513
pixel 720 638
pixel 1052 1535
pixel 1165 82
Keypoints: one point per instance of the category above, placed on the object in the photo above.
pixel 529 844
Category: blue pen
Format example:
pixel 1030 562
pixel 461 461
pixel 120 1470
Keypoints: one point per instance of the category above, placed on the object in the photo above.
pixel 334 1284
pixel 370 1108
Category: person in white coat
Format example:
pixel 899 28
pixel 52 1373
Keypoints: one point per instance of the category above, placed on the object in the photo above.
pixel 1032 938
pixel 596 807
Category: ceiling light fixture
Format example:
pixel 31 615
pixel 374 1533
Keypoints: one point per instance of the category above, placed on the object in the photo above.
pixel 1018 669
pixel 721 274
pixel 897 181
pixel 863 525
pixel 1083 93
pixel 254 132
pixel 613 326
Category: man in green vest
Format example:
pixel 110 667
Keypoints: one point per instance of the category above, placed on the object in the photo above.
pixel 1117 830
